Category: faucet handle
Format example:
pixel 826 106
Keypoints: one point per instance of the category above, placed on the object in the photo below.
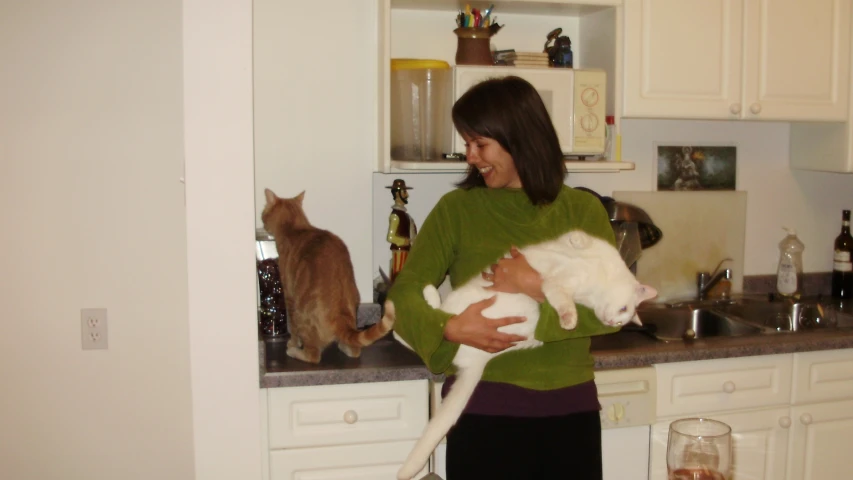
pixel 702 279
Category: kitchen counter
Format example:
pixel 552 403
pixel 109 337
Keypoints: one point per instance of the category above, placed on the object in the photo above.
pixel 387 360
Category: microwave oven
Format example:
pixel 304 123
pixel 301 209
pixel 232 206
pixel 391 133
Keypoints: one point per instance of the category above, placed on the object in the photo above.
pixel 575 100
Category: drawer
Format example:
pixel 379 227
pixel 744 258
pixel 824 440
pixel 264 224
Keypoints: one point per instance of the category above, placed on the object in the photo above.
pixel 379 461
pixel 728 384
pixel 822 376
pixel 347 414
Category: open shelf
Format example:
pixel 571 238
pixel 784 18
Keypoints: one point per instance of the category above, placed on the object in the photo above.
pixel 400 166
pixel 423 29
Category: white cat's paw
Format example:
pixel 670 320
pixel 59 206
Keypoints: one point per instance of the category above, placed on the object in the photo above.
pixel 568 318
pixel 530 343
pixel 579 239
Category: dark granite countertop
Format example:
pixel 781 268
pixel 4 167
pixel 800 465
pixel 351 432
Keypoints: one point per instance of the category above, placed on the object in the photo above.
pixel 387 360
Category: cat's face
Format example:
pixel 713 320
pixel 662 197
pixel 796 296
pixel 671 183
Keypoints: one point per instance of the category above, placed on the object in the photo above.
pixel 620 306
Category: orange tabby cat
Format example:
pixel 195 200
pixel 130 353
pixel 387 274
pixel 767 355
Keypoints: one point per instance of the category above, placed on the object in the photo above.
pixel 318 282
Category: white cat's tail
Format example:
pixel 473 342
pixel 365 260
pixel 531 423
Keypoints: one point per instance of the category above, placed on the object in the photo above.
pixel 445 417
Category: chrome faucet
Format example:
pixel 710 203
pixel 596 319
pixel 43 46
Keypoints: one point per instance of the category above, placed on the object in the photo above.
pixel 705 281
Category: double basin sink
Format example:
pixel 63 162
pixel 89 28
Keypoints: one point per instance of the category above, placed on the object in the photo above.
pixel 740 316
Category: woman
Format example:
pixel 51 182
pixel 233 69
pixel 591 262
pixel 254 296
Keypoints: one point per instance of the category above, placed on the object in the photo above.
pixel 534 415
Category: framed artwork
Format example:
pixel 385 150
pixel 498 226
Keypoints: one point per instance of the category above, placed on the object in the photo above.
pixel 690 167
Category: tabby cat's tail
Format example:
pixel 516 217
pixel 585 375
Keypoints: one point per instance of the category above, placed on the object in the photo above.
pixel 445 417
pixel 365 337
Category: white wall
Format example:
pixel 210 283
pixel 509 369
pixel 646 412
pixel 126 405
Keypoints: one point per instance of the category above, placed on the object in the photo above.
pixel 93 216
pixel 777 196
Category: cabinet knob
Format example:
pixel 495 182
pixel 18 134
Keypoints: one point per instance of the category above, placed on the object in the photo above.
pixel 734 108
pixel 616 412
pixel 729 386
pixel 805 419
pixel 350 417
pixel 755 108
pixel 785 422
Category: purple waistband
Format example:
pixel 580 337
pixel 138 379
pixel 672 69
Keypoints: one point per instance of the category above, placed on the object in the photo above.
pixel 492 398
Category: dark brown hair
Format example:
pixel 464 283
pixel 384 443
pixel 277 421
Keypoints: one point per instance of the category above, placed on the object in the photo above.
pixel 510 111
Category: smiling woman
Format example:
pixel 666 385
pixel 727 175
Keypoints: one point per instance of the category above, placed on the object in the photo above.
pixel 512 195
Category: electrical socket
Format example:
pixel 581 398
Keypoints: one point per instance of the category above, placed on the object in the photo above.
pixel 93 323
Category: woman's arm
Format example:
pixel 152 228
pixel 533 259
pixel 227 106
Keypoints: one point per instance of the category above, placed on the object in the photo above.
pixel 433 334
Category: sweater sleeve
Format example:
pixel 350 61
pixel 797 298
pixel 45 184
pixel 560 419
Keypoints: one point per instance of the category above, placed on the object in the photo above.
pixel 418 324
pixel 594 221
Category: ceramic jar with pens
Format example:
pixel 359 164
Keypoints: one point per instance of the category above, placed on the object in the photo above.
pixel 474 31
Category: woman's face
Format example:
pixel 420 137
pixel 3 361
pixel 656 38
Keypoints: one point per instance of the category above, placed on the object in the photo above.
pixel 494 163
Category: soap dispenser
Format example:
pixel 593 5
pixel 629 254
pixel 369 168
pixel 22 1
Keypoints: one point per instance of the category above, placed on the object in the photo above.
pixel 789 274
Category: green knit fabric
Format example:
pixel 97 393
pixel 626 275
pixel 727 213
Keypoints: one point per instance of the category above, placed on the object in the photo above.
pixel 469 230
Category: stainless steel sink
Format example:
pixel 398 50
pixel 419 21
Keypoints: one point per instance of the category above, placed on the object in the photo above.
pixel 742 315
pixel 790 315
pixel 682 323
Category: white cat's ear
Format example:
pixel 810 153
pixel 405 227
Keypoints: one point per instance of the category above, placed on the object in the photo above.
pixel 299 197
pixel 271 198
pixel 645 292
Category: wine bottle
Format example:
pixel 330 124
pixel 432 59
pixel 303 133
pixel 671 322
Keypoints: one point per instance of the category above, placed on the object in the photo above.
pixel 842 268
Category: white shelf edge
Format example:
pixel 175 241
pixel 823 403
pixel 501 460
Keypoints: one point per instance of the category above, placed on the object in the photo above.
pixel 401 166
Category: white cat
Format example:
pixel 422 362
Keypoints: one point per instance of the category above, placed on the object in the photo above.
pixel 575 267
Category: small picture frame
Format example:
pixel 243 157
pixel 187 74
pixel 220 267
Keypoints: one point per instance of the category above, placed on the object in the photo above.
pixel 695 168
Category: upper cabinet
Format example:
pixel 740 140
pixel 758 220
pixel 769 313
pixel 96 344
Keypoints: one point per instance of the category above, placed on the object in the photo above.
pixel 737 59
pixel 423 29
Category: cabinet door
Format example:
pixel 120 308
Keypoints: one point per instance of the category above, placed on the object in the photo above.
pixel 797 59
pixel 820 441
pixel 379 461
pixel 683 58
pixel 759 442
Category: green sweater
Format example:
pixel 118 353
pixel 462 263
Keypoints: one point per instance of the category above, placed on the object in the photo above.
pixel 469 230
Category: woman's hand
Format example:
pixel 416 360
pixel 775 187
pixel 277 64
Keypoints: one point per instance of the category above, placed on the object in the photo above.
pixel 473 329
pixel 515 275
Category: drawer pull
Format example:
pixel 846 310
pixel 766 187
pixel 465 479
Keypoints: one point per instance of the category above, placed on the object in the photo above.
pixel 729 387
pixel 785 422
pixel 755 108
pixel 734 108
pixel 805 419
pixel 350 416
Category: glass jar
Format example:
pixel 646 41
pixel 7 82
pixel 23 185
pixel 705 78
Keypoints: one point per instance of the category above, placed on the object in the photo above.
pixel 272 314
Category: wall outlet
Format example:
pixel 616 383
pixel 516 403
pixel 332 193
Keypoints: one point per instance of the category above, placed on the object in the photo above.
pixel 93 322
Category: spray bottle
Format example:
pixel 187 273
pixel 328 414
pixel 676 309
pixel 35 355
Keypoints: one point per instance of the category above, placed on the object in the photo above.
pixel 789 274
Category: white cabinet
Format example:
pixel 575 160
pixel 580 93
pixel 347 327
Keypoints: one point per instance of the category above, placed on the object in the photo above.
pixel 759 443
pixel 821 435
pixel 737 59
pixel 822 418
pixel 424 29
pixel 750 394
pixel 793 418
pixel 353 431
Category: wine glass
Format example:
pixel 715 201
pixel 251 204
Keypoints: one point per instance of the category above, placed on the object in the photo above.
pixel 699 449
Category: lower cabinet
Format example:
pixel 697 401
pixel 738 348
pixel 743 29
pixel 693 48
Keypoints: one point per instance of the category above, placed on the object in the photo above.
pixel 759 444
pixel 360 431
pixel 806 438
pixel 376 461
pixel 821 440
